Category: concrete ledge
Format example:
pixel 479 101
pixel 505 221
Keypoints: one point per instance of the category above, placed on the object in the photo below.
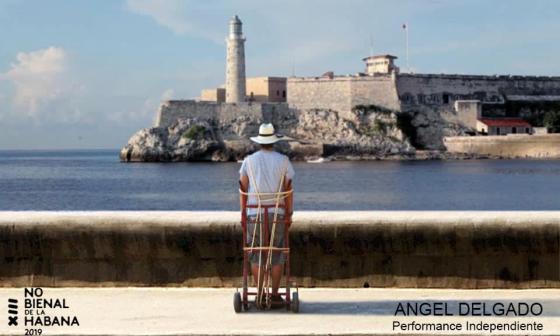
pixel 330 249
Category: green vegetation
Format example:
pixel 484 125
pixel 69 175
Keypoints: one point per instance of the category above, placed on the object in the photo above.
pixel 372 109
pixel 383 127
pixel 535 113
pixel 551 120
pixel 194 132
pixel 379 127
pixel 404 123
pixel 369 131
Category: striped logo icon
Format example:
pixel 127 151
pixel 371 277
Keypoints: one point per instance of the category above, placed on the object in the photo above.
pixel 12 311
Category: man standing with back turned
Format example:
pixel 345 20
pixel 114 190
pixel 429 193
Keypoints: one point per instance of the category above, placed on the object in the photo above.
pixel 267 171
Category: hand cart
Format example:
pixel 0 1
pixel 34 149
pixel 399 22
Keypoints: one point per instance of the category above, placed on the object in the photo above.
pixel 242 301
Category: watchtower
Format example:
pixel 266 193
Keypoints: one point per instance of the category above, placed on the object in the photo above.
pixel 381 64
pixel 235 70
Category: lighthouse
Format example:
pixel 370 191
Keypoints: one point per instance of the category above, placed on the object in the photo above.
pixel 235 71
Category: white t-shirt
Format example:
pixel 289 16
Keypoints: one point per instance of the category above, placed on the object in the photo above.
pixel 267 168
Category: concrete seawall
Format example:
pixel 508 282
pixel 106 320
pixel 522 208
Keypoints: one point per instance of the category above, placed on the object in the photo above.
pixel 510 146
pixel 330 249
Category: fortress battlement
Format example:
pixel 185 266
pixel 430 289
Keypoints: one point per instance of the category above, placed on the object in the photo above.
pixel 355 77
pixel 366 77
pixel 478 77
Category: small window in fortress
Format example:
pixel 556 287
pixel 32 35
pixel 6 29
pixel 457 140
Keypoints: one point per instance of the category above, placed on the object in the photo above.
pixel 527 130
pixel 498 130
pixel 277 92
pixel 284 94
pixel 445 98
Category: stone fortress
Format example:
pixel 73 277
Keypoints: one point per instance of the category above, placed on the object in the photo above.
pixel 428 109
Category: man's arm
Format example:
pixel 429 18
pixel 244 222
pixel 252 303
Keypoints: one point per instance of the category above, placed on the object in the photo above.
pixel 244 186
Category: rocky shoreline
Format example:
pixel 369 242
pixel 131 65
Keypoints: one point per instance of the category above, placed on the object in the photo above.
pixel 316 135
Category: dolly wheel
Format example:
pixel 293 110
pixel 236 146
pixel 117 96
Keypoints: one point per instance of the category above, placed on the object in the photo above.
pixel 294 305
pixel 237 302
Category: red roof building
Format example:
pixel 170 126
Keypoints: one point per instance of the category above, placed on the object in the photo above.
pixel 503 126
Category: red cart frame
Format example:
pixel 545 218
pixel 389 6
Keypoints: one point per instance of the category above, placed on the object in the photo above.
pixel 242 300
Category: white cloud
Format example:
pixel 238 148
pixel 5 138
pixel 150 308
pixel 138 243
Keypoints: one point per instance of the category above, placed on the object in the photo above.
pixel 41 87
pixel 183 17
pixel 34 74
pixel 167 13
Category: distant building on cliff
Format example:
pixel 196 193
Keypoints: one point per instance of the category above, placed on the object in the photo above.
pixel 258 89
pixel 434 105
pixel 217 95
pixel 381 64
pixel 266 89
pixel 437 105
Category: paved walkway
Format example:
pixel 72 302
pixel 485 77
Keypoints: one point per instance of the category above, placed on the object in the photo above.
pixel 184 311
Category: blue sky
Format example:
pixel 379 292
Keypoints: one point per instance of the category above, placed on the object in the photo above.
pixel 88 74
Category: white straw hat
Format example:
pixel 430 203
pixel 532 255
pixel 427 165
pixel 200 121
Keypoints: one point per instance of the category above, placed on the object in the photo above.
pixel 266 135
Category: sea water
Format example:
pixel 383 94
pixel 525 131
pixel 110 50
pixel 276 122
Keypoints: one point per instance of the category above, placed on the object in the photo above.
pixel 96 180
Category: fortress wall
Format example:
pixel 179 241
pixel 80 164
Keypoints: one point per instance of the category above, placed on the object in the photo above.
pixel 511 146
pixel 378 90
pixel 485 88
pixel 230 111
pixel 417 91
pixel 330 248
pixel 172 110
pixel 408 92
pixel 342 93
pixel 275 113
pixel 320 92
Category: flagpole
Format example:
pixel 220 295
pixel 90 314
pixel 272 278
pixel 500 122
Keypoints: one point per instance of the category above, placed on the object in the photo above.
pixel 406 34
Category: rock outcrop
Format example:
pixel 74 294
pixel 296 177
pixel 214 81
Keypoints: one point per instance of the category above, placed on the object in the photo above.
pixel 186 140
pixel 429 127
pixel 371 132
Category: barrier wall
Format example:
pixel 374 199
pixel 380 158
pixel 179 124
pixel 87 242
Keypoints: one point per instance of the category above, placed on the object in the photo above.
pixel 509 146
pixel 330 249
